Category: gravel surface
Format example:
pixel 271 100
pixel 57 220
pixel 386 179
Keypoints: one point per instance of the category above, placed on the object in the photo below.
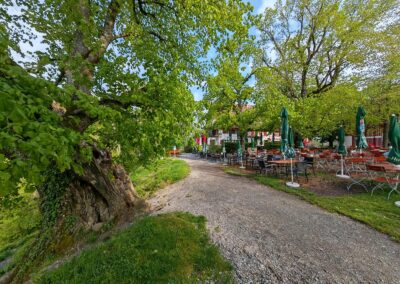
pixel 273 237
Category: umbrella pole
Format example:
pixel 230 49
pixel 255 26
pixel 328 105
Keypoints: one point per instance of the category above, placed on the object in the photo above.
pixel 291 168
pixel 292 183
pixel 342 175
pixel 241 162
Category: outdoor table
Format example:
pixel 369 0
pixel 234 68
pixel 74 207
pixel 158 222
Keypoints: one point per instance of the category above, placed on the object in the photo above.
pixel 388 167
pixel 284 164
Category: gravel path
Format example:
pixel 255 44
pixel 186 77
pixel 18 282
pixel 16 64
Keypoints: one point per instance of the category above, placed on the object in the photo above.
pixel 273 237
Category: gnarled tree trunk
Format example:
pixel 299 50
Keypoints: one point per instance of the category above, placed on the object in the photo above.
pixel 103 193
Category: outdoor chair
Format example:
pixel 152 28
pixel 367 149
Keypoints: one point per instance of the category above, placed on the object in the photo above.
pixel 384 179
pixel 323 162
pixel 359 176
pixel 265 168
pixel 309 161
pixel 300 169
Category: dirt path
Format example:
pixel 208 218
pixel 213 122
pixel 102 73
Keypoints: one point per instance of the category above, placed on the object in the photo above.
pixel 273 237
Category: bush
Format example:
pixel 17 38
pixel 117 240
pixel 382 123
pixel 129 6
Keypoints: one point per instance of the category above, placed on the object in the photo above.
pixel 270 145
pixel 214 149
pixel 230 147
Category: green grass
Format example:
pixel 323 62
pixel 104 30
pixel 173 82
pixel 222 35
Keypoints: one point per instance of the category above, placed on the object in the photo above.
pixel 19 222
pixel 170 248
pixel 375 211
pixel 148 180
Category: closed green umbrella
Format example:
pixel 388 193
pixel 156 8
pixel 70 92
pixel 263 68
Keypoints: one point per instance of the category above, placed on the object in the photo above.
pixel 394 138
pixel 341 148
pixel 284 129
pixel 342 151
pixel 301 145
pixel 361 141
pixel 252 143
pixel 239 148
pixel 290 153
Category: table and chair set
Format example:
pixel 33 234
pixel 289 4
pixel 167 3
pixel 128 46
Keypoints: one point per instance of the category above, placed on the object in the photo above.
pixel 368 169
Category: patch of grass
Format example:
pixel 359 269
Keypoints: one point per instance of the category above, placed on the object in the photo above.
pixel 170 248
pixel 147 180
pixel 375 211
pixel 19 222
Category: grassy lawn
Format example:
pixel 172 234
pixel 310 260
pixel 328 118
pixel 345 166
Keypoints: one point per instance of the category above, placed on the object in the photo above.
pixel 375 211
pixel 19 221
pixel 170 248
pixel 148 180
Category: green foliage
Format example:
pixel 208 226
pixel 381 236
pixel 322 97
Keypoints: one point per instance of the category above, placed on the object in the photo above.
pixel 316 56
pixel 270 145
pixel 19 223
pixel 229 93
pixel 171 248
pixel 147 180
pixel 124 68
pixel 214 149
pixel 52 192
pixel 230 147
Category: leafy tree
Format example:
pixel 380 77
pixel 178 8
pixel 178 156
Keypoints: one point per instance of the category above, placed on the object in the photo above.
pixel 122 69
pixel 229 99
pixel 311 51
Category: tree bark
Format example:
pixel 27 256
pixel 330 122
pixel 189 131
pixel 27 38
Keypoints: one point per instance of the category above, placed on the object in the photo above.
pixel 104 192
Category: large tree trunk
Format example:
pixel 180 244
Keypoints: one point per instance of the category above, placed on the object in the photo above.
pixel 103 193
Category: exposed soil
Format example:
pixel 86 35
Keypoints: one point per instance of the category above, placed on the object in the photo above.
pixel 273 237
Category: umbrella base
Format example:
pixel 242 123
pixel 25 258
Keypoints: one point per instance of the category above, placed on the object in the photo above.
pixel 397 203
pixel 293 184
pixel 242 167
pixel 343 176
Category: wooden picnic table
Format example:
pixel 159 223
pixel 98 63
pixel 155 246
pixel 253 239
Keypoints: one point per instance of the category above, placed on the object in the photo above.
pixel 388 167
pixel 284 162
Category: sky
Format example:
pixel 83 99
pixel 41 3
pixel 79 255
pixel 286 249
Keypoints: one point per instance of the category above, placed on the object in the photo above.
pixel 259 7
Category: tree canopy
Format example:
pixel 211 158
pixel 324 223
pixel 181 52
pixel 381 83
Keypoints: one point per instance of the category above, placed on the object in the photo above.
pixel 115 76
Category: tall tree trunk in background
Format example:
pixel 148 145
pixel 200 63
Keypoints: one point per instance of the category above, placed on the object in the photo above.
pixel 385 142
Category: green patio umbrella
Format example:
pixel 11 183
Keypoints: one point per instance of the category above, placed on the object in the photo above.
pixel 290 153
pixel 252 143
pixel 284 129
pixel 239 148
pixel 394 138
pixel 341 148
pixel 343 151
pixel 361 141
pixel 301 145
